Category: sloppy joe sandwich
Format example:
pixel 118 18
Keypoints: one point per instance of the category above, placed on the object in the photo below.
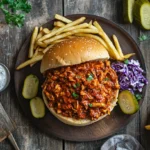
pixel 80 86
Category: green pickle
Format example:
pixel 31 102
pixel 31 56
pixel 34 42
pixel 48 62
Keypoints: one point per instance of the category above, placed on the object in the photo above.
pixel 30 87
pixel 37 107
pixel 128 10
pixel 142 13
pixel 128 102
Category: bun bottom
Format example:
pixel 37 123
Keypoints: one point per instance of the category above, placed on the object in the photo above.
pixel 76 122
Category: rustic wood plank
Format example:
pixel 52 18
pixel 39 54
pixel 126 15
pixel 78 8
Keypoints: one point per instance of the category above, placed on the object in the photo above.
pixel 111 10
pixel 27 136
pixel 145 110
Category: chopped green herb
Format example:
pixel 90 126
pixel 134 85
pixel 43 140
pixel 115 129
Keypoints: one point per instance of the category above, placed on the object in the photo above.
pixel 138 96
pixel 76 85
pixel 90 105
pixel 126 61
pixel 14 11
pixel 106 79
pixel 144 38
pixel 75 95
pixel 90 77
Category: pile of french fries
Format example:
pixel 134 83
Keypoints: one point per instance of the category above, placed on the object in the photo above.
pixel 43 38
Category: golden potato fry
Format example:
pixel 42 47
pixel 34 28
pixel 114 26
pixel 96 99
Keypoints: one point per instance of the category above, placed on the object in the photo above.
pixel 56 32
pixel 59 24
pixel 30 61
pixel 91 22
pixel 47 48
pixel 32 42
pixel 54 29
pixel 41 44
pixel 94 37
pixel 129 55
pixel 118 46
pixel 57 37
pixel 41 28
pixel 40 34
pixel 46 31
pixel 147 127
pixel 62 18
pixel 76 22
pixel 112 50
pixel 80 26
pixel 58 41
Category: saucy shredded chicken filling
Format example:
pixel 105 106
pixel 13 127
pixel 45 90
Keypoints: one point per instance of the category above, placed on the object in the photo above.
pixel 83 91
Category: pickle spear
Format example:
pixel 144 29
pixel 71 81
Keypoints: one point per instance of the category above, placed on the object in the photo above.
pixel 30 87
pixel 142 13
pixel 37 107
pixel 128 10
pixel 128 102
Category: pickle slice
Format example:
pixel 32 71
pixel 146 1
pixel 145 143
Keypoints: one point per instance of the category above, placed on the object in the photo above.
pixel 142 13
pixel 128 102
pixel 30 87
pixel 37 107
pixel 128 10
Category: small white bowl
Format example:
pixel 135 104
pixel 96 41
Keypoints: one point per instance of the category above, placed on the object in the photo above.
pixel 7 73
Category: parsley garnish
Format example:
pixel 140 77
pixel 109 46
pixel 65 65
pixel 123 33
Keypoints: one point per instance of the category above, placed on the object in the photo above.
pixel 76 85
pixel 14 11
pixel 144 38
pixel 106 79
pixel 138 96
pixel 126 61
pixel 90 105
pixel 75 95
pixel 90 77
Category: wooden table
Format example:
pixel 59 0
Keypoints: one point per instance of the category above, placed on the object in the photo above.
pixel 27 136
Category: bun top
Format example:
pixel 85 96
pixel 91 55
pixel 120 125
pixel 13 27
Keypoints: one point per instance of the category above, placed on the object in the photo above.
pixel 73 51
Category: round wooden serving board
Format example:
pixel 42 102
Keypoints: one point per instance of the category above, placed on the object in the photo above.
pixel 52 125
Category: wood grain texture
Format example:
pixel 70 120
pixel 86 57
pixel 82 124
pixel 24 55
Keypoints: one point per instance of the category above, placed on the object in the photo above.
pixel 27 136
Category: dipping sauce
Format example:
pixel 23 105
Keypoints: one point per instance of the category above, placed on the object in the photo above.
pixel 4 79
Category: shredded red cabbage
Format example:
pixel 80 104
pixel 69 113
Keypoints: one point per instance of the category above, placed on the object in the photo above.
pixel 130 75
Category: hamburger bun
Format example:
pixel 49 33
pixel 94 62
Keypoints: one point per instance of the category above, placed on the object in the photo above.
pixel 73 51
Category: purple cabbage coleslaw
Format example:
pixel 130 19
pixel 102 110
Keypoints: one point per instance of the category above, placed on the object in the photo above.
pixel 130 75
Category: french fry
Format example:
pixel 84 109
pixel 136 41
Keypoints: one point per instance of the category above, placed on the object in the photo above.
pixel 58 41
pixel 99 39
pixel 41 44
pixel 129 55
pixel 59 24
pixel 46 31
pixel 41 28
pixel 62 18
pixel 112 50
pixel 76 22
pixel 91 22
pixel 30 61
pixel 56 32
pixel 47 48
pixel 54 29
pixel 80 26
pixel 40 34
pixel 147 127
pixel 57 37
pixel 33 39
pixel 31 65
pixel 36 52
pixel 118 46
